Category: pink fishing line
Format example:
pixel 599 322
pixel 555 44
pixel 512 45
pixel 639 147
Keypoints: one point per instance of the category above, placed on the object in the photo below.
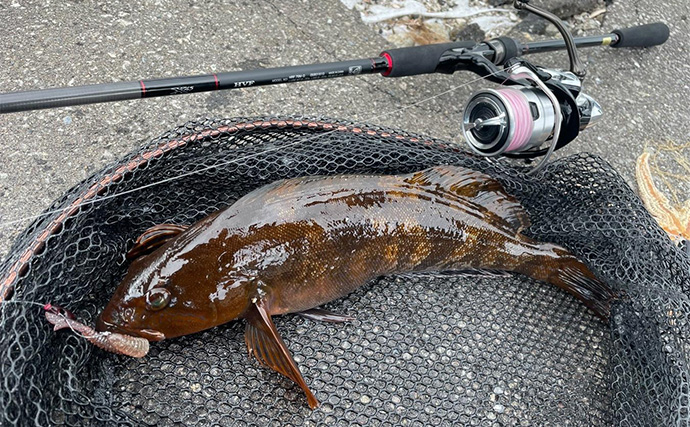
pixel 522 116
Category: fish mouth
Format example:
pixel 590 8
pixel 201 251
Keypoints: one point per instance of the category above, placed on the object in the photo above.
pixel 149 334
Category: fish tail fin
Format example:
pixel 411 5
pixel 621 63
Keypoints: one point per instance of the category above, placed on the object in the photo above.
pixel 554 264
pixel 574 276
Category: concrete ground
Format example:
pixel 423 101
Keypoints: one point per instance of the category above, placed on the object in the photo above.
pixel 47 44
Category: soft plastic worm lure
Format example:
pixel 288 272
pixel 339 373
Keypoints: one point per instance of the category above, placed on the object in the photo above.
pixel 110 341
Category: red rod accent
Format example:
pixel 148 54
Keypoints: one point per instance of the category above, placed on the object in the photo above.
pixel 143 88
pixel 390 64
pixel 215 77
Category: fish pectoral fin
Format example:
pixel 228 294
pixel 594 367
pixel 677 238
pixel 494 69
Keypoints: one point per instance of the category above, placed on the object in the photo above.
pixel 264 342
pixel 153 238
pixel 322 315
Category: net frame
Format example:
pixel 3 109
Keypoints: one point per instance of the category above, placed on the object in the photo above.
pixel 579 202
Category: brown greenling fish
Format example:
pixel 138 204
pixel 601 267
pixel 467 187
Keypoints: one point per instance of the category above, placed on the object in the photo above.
pixel 296 244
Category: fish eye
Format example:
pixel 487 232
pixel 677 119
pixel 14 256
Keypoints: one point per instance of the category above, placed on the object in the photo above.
pixel 157 298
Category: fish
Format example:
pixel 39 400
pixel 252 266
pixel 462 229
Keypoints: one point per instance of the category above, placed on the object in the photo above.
pixel 296 244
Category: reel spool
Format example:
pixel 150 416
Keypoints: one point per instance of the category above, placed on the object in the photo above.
pixel 508 120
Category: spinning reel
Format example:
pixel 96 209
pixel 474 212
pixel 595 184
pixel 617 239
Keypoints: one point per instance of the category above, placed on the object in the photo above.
pixel 539 105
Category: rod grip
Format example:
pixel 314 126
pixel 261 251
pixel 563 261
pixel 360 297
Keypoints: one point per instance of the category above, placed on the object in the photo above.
pixel 642 36
pixel 410 61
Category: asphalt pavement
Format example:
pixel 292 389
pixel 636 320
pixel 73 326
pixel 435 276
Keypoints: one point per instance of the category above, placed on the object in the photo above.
pixel 50 44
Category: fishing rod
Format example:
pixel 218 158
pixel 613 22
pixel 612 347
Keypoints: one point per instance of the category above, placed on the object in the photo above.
pixel 533 106
pixel 408 61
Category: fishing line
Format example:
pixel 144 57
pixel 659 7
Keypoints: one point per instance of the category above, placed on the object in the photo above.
pixel 249 156
pixel 42 305
pixel 47 307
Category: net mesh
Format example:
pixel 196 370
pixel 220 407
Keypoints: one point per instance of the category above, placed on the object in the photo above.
pixel 425 349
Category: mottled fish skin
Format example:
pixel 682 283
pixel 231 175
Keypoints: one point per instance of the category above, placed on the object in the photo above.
pixel 314 240
pixel 300 243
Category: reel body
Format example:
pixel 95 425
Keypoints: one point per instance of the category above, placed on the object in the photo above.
pixel 540 105
pixel 517 120
pixel 508 120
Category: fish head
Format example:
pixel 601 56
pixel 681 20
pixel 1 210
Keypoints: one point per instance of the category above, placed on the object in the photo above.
pixel 166 295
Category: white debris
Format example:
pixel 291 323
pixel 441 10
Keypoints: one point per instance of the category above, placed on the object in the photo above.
pixel 401 8
pixel 415 22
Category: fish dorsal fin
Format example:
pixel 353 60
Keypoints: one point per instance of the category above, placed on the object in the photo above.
pixel 153 238
pixel 476 187
pixel 264 342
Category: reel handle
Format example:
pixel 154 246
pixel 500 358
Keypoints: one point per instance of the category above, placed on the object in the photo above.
pixel 642 35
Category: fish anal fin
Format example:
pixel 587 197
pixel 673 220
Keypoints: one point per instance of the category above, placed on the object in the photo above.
pixel 153 238
pixel 264 342
pixel 322 315
pixel 476 187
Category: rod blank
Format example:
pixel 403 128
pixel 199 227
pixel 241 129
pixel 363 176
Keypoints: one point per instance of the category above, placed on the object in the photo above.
pixel 109 92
